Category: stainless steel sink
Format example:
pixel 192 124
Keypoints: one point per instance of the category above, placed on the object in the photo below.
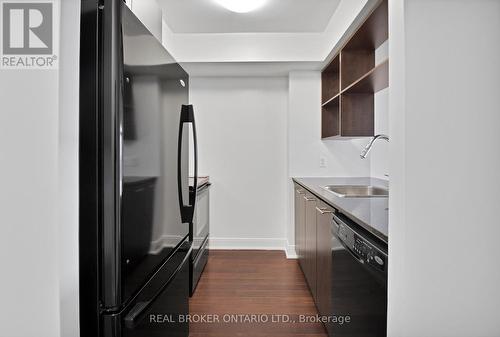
pixel 358 191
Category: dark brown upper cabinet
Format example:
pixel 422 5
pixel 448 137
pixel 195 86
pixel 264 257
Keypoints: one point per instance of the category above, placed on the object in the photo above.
pixel 349 82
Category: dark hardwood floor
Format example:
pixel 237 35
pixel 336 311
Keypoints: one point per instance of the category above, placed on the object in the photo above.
pixel 237 284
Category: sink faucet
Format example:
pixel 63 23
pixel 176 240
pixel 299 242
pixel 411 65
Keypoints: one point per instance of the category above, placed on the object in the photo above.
pixel 370 144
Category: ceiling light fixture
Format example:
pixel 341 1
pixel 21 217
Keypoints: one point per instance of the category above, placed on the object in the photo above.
pixel 241 6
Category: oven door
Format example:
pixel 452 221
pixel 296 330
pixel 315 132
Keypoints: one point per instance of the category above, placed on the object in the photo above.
pixel 201 219
pixel 198 265
pixel 358 290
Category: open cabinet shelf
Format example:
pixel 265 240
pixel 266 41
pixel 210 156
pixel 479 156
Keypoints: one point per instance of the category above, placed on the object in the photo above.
pixel 330 79
pixel 357 118
pixel 331 100
pixel 373 81
pixel 352 78
pixel 330 116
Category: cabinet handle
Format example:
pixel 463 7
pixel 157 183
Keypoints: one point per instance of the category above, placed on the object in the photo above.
pixel 309 199
pixel 324 210
pixel 300 191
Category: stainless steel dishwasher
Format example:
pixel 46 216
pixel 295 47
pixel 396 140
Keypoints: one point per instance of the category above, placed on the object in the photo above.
pixel 358 293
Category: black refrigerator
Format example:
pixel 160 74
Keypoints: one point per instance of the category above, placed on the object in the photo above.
pixel 135 204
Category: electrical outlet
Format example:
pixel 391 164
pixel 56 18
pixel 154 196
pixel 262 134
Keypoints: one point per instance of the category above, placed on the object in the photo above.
pixel 322 162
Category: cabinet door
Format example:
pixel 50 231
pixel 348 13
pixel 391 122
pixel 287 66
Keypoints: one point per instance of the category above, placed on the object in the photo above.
pixel 300 213
pixel 324 257
pixel 310 242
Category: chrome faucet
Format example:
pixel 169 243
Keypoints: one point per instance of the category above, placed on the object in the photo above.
pixel 370 144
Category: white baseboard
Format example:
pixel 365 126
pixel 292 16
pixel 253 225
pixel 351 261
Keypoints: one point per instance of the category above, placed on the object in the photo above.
pixel 290 252
pixel 247 243
pixel 231 244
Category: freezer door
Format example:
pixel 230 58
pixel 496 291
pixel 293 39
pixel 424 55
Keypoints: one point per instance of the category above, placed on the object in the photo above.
pixel 161 308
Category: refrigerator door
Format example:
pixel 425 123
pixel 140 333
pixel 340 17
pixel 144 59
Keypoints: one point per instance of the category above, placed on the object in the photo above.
pixel 109 73
pixel 142 224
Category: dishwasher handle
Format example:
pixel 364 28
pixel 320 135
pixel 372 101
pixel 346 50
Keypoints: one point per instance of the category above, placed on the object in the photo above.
pixel 323 211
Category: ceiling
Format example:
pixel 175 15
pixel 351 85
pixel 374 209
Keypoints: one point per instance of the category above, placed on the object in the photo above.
pixel 276 16
pixel 247 69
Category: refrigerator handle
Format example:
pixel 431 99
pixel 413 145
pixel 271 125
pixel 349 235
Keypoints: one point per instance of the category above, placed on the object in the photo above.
pixel 187 211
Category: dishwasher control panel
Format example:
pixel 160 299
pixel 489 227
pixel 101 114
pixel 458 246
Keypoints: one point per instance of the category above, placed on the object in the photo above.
pixel 368 253
pixel 365 251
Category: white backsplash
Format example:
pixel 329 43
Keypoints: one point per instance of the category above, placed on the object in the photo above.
pixel 379 155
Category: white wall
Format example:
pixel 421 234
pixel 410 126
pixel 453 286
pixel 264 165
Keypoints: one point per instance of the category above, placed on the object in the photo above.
pixel 445 164
pixel 241 125
pixel 68 180
pixel 38 198
pixel 29 245
pixel 379 155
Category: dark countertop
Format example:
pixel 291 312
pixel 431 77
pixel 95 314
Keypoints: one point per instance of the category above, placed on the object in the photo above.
pixel 370 213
